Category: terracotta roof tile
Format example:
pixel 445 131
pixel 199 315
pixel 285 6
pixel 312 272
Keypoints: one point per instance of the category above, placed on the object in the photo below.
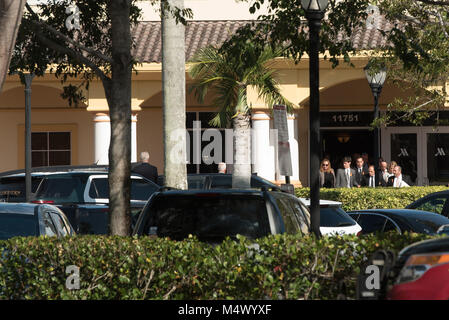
pixel 198 34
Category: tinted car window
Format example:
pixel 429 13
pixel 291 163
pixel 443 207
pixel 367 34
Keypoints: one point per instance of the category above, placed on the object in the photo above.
pixel 12 189
pixel 335 217
pixel 290 223
pixel 61 189
pixel 50 228
pixel 389 226
pixel 92 221
pixel 302 214
pixel 60 226
pixel 208 217
pixel 140 189
pixel 14 225
pixel 371 223
pixel 433 204
pixel 196 182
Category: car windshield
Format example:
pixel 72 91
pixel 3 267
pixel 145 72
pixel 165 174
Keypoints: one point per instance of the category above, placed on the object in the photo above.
pixel 208 216
pixel 16 225
pixel 335 217
pixel 61 189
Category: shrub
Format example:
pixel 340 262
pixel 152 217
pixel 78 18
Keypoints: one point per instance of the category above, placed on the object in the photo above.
pixel 372 198
pixel 283 267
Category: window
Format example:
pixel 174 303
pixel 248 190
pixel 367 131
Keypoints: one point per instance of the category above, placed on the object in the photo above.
pixel 207 216
pixel 371 223
pixel 434 204
pixel 49 227
pixel 291 223
pixel 60 226
pixel 140 189
pixel 50 148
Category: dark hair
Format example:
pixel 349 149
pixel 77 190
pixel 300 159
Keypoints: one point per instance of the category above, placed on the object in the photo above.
pixel 347 159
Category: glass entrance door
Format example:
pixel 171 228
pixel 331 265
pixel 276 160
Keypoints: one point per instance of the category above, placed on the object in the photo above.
pixel 437 160
pixel 404 150
pixel 422 152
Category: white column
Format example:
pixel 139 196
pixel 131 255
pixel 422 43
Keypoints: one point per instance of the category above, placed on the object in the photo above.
pixel 133 138
pixel 263 147
pixel 102 138
pixel 294 145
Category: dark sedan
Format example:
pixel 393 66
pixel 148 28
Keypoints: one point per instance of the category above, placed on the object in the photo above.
pixel 434 202
pixel 400 220
pixel 27 219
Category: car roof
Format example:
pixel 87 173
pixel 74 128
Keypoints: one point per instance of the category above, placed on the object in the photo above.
pixel 323 202
pixel 18 208
pixel 54 169
pixel 397 212
pixel 192 192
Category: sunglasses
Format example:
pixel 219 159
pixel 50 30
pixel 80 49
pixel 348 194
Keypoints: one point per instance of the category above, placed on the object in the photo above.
pixel 325 164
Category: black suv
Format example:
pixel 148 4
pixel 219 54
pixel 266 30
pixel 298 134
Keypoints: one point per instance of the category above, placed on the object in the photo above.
pixel 213 215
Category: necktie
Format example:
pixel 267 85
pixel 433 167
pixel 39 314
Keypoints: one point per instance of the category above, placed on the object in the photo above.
pixel 348 177
pixel 371 182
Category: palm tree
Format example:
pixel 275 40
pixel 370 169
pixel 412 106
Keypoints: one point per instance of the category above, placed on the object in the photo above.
pixel 228 74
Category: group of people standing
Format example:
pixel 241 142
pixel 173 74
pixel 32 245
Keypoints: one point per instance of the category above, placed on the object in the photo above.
pixel 362 174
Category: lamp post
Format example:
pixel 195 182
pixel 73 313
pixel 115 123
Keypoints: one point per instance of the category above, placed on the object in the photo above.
pixel 28 78
pixel 314 10
pixel 376 79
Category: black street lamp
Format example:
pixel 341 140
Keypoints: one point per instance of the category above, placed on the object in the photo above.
pixel 314 10
pixel 376 79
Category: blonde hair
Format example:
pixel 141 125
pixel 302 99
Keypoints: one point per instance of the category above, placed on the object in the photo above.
pixel 329 168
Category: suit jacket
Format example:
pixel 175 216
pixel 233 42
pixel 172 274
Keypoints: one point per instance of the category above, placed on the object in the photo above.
pixel 341 180
pixel 360 177
pixel 378 181
pixel 146 170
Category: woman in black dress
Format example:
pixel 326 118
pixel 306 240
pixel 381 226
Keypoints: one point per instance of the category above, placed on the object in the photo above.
pixel 327 174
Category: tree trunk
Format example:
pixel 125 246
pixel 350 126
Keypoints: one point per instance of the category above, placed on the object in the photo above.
pixel 173 97
pixel 241 174
pixel 10 18
pixel 118 93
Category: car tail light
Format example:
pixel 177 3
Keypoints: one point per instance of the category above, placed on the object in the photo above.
pixel 359 233
pixel 43 201
pixel 418 264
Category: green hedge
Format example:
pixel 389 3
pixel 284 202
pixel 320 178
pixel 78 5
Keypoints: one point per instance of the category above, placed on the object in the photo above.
pixel 285 267
pixel 372 198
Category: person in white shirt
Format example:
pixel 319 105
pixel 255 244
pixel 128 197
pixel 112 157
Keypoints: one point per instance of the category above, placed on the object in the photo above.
pixel 396 180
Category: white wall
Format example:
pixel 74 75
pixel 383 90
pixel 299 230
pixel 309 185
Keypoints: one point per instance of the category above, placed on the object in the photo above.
pixel 208 10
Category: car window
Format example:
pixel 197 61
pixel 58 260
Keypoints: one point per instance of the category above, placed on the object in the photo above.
pixel 60 226
pixel 433 204
pixel 12 189
pixel 49 227
pixel 61 189
pixel 334 216
pixel 17 225
pixel 389 226
pixel 371 223
pixel 291 223
pixel 207 216
pixel 92 221
pixel 140 189
pixel 221 182
pixel 196 182
pixel 302 214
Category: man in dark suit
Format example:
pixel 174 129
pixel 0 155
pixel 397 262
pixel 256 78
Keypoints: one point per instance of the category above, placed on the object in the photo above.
pixel 360 172
pixel 145 169
pixel 372 179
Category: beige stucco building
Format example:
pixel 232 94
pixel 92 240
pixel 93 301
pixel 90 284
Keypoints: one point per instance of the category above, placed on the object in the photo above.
pixel 67 135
